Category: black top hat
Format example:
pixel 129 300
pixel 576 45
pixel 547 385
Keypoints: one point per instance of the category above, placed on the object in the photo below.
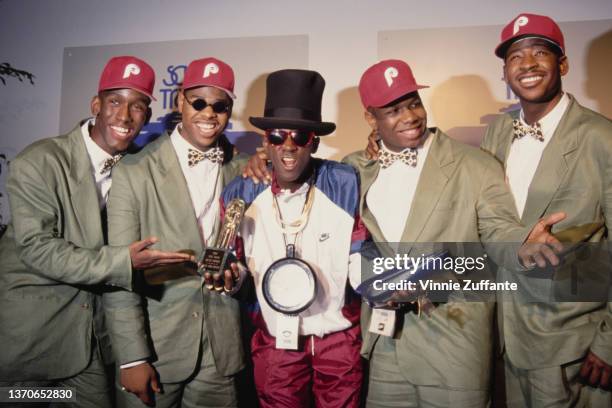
pixel 293 101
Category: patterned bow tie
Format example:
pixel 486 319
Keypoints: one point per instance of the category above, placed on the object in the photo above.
pixel 387 158
pixel 110 163
pixel 214 154
pixel 521 129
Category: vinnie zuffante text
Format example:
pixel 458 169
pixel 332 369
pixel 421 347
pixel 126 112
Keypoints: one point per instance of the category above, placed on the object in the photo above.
pixel 426 264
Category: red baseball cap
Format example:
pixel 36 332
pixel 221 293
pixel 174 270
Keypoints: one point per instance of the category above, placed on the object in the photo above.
pixel 128 72
pixel 528 26
pixel 385 82
pixel 210 72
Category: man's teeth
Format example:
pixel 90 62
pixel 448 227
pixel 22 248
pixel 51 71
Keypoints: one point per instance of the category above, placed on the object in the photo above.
pixel 119 129
pixel 206 126
pixel 529 80
pixel 411 131
pixel 288 161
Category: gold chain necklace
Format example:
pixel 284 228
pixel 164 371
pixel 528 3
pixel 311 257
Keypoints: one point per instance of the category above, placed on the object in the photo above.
pixel 298 225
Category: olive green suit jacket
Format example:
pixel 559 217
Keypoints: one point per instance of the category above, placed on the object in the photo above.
pixel 574 175
pixel 164 324
pixel 53 262
pixel 461 197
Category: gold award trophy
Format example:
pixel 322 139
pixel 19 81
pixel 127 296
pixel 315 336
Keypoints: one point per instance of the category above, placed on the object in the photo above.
pixel 214 259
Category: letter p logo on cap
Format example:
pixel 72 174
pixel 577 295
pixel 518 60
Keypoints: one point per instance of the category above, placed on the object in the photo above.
pixel 390 73
pixel 210 68
pixel 130 69
pixel 518 23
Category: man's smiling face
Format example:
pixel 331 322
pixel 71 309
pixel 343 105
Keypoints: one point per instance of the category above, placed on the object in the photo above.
pixel 533 70
pixel 120 115
pixel 202 128
pixel 401 124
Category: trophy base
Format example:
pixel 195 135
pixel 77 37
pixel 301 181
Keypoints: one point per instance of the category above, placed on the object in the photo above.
pixel 213 261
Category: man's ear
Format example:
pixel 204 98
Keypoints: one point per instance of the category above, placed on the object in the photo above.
pixel 96 105
pixel 563 65
pixel 229 116
pixel 264 141
pixel 149 114
pixel 315 144
pixel 371 119
pixel 180 99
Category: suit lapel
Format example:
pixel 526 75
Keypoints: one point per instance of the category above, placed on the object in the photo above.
pixel 172 188
pixel 84 195
pixel 553 165
pixel 508 129
pixel 436 172
pixel 227 173
pixel 503 138
pixel 368 172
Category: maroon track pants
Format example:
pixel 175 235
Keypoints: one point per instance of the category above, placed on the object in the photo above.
pixel 326 372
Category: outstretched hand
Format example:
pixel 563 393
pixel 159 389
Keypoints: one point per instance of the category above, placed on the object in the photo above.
pixel 541 247
pixel 144 258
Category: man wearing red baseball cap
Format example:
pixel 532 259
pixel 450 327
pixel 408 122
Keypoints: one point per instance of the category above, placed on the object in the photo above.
pixel 425 187
pixel 180 340
pixel 55 263
pixel 557 156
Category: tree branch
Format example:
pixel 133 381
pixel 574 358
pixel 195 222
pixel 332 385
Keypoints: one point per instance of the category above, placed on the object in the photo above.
pixel 6 70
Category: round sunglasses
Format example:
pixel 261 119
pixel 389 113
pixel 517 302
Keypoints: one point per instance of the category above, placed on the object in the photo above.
pixel 200 104
pixel 300 138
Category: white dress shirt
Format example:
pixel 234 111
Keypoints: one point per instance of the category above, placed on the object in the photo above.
pixel 97 157
pixel 204 187
pixel 391 195
pixel 526 152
